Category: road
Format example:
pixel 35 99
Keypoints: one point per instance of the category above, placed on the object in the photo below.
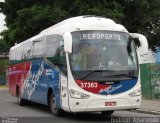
pixel 10 111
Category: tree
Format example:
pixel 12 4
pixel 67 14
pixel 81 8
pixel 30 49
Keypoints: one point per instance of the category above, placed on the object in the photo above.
pixel 25 18
pixel 4 46
pixel 143 16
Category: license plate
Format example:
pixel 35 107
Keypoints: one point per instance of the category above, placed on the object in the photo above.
pixel 110 103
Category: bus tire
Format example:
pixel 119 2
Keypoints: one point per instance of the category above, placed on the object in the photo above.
pixel 52 106
pixel 21 102
pixel 107 113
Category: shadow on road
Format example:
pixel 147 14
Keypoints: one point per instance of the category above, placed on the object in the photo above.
pixel 68 117
pixel 87 117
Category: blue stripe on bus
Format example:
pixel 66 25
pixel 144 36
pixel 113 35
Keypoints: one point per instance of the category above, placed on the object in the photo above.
pixel 39 79
pixel 120 87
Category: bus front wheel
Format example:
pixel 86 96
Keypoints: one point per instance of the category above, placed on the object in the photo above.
pixel 52 105
pixel 107 113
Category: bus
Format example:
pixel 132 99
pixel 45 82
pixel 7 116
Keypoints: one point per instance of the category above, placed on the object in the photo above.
pixel 82 64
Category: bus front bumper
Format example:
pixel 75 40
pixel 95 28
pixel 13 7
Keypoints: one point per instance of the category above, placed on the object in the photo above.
pixel 100 105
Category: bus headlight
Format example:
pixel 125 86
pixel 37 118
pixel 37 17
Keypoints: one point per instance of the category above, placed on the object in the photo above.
pixel 78 95
pixel 135 93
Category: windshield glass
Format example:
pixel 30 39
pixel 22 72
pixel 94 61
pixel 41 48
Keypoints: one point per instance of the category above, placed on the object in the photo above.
pixel 102 51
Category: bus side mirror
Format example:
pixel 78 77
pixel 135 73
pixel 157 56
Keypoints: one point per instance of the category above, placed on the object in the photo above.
pixel 67 42
pixel 143 41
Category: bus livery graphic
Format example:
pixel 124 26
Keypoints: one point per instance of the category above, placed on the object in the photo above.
pixel 82 64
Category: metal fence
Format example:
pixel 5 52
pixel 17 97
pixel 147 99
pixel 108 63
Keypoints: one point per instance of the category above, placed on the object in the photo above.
pixel 4 54
pixel 3 65
pixel 150 80
pixel 2 80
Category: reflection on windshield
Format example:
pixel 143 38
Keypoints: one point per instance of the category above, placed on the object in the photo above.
pixel 102 50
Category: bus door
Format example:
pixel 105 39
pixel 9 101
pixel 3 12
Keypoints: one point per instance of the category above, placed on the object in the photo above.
pixel 64 93
pixel 64 81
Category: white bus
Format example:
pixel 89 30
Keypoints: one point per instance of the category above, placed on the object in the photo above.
pixel 82 64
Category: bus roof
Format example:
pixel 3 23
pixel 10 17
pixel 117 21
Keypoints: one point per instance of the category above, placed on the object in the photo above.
pixel 87 22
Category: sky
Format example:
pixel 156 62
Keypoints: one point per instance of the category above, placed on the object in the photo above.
pixel 2 22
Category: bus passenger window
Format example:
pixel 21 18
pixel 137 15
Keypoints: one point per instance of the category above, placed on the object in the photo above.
pixel 55 52
pixel 52 45
pixel 27 48
pixel 38 48
pixel 62 56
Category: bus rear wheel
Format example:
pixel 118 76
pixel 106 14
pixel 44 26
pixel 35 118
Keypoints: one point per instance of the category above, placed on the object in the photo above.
pixel 52 105
pixel 107 113
pixel 20 101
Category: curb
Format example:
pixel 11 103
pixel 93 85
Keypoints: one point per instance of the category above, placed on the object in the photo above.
pixel 147 112
pixel 4 88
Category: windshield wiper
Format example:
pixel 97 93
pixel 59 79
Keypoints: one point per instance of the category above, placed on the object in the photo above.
pixel 87 74
pixel 126 75
pixel 90 73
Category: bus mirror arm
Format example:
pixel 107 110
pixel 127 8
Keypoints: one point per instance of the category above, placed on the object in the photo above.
pixel 143 41
pixel 67 42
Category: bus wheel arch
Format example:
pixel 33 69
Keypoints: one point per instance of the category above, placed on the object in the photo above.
pixel 17 90
pixel 20 101
pixel 50 91
pixel 52 103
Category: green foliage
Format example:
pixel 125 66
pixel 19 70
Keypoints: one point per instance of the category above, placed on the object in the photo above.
pixel 3 46
pixel 25 18
pixel 3 64
pixel 143 16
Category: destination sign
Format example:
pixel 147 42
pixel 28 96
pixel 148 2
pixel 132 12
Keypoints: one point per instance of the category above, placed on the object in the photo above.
pixel 100 36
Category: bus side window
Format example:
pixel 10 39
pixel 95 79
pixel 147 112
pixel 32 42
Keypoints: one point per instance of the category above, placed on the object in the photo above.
pixel 55 52
pixel 12 57
pixel 52 44
pixel 38 47
pixel 18 54
pixel 62 55
pixel 27 51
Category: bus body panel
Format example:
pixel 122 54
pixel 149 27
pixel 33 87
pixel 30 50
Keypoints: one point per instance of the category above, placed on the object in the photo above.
pixel 34 80
pixel 17 73
pixel 64 94
pixel 36 76
pixel 96 102
pixel 107 89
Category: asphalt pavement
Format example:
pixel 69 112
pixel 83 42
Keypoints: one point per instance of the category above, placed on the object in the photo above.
pixel 147 106
pixel 34 113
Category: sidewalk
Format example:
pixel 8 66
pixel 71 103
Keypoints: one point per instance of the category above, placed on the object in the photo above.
pixel 150 106
pixel 4 87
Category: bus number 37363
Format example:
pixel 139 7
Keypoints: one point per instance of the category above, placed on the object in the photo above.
pixel 89 85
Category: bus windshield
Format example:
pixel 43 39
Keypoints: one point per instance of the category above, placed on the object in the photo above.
pixel 102 51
